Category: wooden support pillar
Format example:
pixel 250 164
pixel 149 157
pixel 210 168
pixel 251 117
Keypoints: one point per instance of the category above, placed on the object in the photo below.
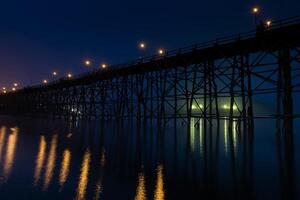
pixel 285 88
pixel 175 97
pixel 210 94
pixel 242 76
pixel 205 95
pixel 163 95
pixel 151 97
pixel 186 91
pixel 232 95
pixel 249 91
pixel 215 88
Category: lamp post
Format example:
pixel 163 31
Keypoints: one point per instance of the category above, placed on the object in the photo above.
pixel 142 47
pixel 255 11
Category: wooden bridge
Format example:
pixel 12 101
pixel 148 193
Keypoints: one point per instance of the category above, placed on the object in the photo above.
pixel 217 79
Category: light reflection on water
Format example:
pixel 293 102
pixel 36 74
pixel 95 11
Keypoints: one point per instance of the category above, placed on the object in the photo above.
pixel 65 166
pixel 2 140
pixel 39 163
pixel 10 153
pixel 141 190
pixel 159 189
pixel 97 162
pixel 50 162
pixel 84 175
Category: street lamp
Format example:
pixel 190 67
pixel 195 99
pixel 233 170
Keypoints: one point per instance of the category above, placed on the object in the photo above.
pixel 69 75
pixel 161 51
pixel 255 11
pixel 16 84
pixel 268 23
pixel 142 45
pixel 103 66
pixel 13 89
pixel 45 81
pixel 87 62
pixel 54 73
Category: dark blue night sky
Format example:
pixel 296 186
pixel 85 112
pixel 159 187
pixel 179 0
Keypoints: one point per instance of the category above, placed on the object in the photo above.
pixel 40 36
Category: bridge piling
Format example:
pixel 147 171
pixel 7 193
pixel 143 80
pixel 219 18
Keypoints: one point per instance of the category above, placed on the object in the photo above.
pixel 231 92
pixel 285 88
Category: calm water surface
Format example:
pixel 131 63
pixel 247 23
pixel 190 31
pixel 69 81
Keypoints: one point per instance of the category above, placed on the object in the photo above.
pixel 55 159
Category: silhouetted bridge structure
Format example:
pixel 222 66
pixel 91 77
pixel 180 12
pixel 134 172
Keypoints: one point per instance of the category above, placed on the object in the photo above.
pixel 217 79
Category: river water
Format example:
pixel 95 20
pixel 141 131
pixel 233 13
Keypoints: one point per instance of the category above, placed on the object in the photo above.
pixel 57 159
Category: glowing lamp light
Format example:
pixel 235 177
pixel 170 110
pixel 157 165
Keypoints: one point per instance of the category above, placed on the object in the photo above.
pixel 142 45
pixel 13 89
pixel 4 91
pixel 16 84
pixel 194 107
pixel 161 51
pixel 4 88
pixel 255 10
pixel 227 107
pixel 45 81
pixel 268 23
pixel 69 75
pixel 103 66
pixel 54 73
pixel 87 62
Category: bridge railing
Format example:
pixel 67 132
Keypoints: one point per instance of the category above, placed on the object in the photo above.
pixel 219 41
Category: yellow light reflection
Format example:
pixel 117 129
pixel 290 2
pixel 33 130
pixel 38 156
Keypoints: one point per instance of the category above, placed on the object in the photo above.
pixel 98 190
pixel 159 193
pixel 201 136
pixel 141 190
pixel 10 153
pixel 50 162
pixel 234 135
pixel 83 179
pixel 192 136
pixel 103 158
pixel 2 140
pixel 65 166
pixel 225 136
pixel 40 160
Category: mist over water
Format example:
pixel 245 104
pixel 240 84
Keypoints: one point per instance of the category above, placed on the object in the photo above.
pixel 56 159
